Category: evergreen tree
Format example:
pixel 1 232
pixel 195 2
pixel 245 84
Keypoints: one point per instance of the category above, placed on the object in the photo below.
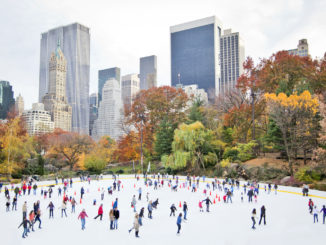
pixel 195 112
pixel 164 138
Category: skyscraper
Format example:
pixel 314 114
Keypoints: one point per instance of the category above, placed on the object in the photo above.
pixel 302 48
pixel 129 88
pixel 232 56
pixel 106 74
pixel 19 105
pixel 148 72
pixel 7 101
pixel 55 101
pixel 195 50
pixel 110 112
pixel 38 121
pixel 75 45
pixel 93 111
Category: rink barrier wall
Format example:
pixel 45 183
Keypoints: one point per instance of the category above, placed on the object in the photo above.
pixel 78 181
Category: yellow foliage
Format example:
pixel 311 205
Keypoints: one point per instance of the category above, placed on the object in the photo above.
pixel 303 101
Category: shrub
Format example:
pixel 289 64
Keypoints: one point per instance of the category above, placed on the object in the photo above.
pixel 95 164
pixel 307 175
pixel 225 163
pixel 231 153
pixel 246 151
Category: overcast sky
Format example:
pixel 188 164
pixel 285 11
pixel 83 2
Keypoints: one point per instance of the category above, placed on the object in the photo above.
pixel 124 30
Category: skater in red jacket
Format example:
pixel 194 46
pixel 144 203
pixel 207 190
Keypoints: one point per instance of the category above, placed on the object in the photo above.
pixel 100 212
pixel 311 205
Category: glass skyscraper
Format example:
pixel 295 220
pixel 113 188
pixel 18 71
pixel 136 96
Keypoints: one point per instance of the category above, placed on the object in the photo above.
pixel 75 45
pixel 195 54
pixel 148 72
pixel 7 101
pixel 106 74
pixel 232 57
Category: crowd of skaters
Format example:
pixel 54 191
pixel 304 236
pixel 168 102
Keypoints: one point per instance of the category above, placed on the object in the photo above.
pixel 227 187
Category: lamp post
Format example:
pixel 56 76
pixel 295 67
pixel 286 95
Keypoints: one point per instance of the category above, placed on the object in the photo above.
pixel 142 118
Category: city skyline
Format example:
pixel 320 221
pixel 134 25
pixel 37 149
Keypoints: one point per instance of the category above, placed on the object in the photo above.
pixel 265 27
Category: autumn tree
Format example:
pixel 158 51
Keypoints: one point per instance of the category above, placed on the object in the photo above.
pixel 295 115
pixel 151 106
pixel 68 146
pixel 128 147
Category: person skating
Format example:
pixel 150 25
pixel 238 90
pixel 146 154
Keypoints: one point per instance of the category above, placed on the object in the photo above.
pixel 82 216
pixel 99 212
pixel 111 217
pixel 63 209
pixel 116 214
pixel 24 208
pixel 115 204
pixel 228 196
pixel 323 210
pixel 155 203
pixel 32 219
pixel 38 218
pixel 253 218
pixel 179 220
pixel 207 201
pixel 262 215
pixel 173 209
pixel 51 208
pixel 200 204
pixel 25 224
pixel 315 211
pixel 136 225
pixel 73 205
pixel 141 216
pixel 82 191
pixel 8 205
pixel 185 210
pixel 139 193
pixel 150 209
pixel 14 204
pixel 133 202
pixel 311 205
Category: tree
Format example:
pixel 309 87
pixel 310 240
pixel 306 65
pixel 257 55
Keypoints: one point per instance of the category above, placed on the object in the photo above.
pixel 68 146
pixel 164 138
pixel 196 111
pixel 295 115
pixel 128 147
pixel 151 106
pixel 192 147
pixel 95 163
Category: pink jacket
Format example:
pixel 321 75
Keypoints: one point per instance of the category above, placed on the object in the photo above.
pixel 82 215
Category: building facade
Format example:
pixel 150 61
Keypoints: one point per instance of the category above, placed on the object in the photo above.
pixel 130 86
pixel 38 121
pixel 232 56
pixel 55 101
pixel 7 101
pixel 148 72
pixel 195 50
pixel 75 45
pixel 301 50
pixel 19 105
pixel 93 111
pixel 106 74
pixel 110 112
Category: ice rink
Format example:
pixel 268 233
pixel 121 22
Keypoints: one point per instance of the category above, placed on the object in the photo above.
pixel 287 216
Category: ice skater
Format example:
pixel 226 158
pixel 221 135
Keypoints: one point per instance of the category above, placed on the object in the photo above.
pixel 51 208
pixel 207 201
pixel 253 218
pixel 82 216
pixel 262 215
pixel 99 212
pixel 25 224
pixel 173 209
pixel 323 210
pixel 315 211
pixel 179 220
pixel 185 210
pixel 135 225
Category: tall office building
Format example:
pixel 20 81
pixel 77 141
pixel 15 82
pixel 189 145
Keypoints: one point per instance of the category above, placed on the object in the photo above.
pixel 38 121
pixel 7 101
pixel 55 101
pixel 232 56
pixel 148 72
pixel 110 112
pixel 106 74
pixel 130 86
pixel 302 48
pixel 19 105
pixel 195 51
pixel 93 111
pixel 75 45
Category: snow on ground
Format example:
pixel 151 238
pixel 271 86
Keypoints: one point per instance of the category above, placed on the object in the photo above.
pixel 288 219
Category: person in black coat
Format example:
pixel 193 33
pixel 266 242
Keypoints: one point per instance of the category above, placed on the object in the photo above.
pixel 173 209
pixel 25 224
pixel 116 214
pixel 207 201
pixel 262 214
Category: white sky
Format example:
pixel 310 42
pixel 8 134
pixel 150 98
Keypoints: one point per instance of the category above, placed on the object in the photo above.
pixel 124 30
